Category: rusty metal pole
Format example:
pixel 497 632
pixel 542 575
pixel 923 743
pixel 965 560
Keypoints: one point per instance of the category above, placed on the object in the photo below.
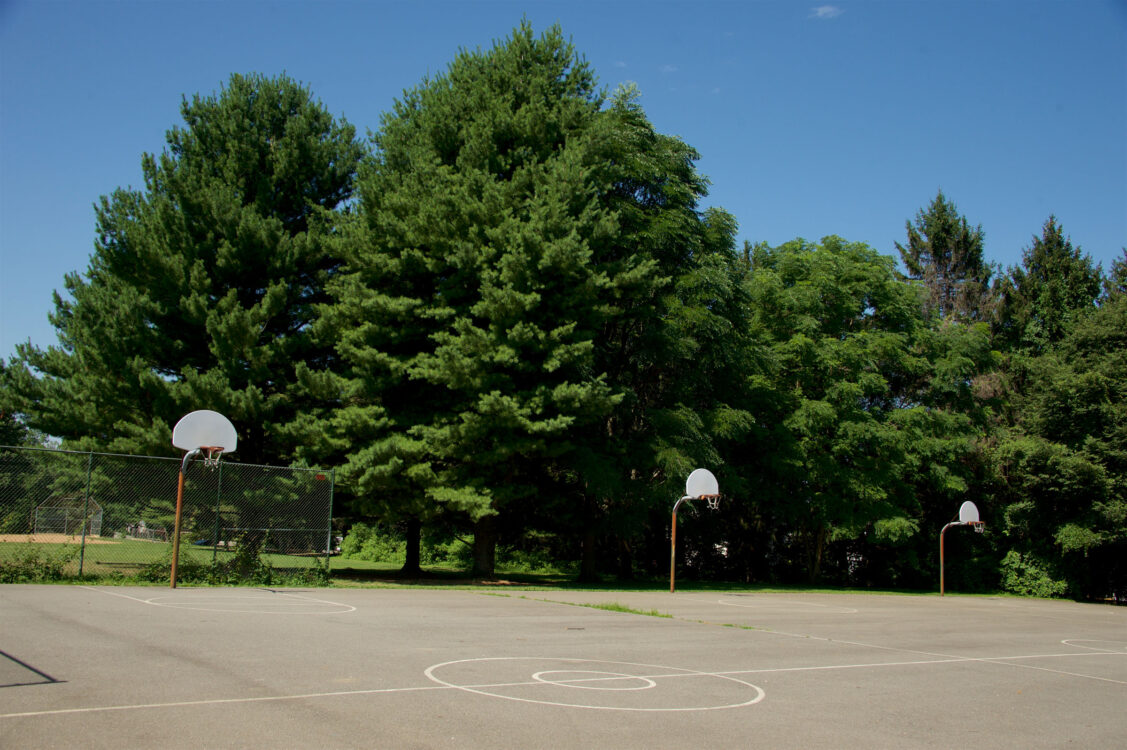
pixel 673 549
pixel 941 533
pixel 673 543
pixel 179 511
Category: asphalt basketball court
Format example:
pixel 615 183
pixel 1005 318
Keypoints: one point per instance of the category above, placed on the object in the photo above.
pixel 113 667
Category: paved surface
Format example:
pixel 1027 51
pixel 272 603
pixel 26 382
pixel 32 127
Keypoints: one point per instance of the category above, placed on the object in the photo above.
pixel 109 667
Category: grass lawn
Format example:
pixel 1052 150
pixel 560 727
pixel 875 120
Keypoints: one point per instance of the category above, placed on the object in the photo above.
pixel 127 556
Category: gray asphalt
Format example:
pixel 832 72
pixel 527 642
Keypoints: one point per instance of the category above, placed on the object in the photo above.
pixel 110 667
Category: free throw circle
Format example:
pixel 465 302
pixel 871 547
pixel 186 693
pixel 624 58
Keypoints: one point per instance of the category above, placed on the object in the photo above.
pixel 595 684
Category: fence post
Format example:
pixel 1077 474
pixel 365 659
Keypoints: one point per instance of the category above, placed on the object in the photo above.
pixel 329 524
pixel 218 499
pixel 85 512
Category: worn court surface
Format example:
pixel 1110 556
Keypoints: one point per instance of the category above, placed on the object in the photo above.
pixel 108 667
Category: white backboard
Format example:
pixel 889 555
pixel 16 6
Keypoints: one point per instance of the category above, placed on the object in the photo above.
pixel 968 513
pixel 701 483
pixel 204 428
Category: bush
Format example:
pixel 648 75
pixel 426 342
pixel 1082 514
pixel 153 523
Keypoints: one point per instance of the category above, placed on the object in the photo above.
pixel 35 565
pixel 354 540
pixel 366 543
pixel 536 561
pixel 363 542
pixel 1028 576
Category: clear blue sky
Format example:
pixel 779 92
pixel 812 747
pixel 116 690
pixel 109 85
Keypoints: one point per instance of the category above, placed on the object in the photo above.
pixel 811 118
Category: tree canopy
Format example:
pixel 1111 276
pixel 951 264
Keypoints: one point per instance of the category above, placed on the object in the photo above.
pixel 946 255
pixel 510 319
pixel 201 288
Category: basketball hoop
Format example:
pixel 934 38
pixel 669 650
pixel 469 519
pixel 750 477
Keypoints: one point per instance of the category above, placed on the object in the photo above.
pixel 968 516
pixel 203 433
pixel 211 455
pixel 701 485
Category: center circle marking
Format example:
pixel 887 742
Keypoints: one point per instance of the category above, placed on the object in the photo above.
pixel 613 677
pixel 679 688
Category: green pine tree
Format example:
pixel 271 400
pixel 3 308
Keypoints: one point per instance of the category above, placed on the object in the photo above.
pixel 201 289
pixel 945 255
pixel 470 300
pixel 1053 288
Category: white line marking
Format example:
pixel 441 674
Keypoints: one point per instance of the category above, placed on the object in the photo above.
pixel 1120 646
pixel 579 682
pixel 1056 671
pixel 114 593
pixel 680 672
pixel 481 688
pixel 767 604
pixel 211 597
pixel 1000 660
pixel 952 657
pixel 216 701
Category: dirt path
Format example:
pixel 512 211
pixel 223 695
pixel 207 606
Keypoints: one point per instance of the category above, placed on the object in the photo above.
pixel 54 539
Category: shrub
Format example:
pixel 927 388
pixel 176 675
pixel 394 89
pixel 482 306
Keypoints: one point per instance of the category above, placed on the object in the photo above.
pixel 36 565
pixel 1028 576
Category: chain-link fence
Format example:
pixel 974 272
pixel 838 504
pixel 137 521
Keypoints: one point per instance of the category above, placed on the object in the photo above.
pixel 97 514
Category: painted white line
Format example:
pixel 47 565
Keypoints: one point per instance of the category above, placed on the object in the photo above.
pixel 487 690
pixel 952 657
pixel 1000 660
pixel 581 682
pixel 215 702
pixel 1007 662
pixel 482 688
pixel 191 601
pixel 114 593
pixel 765 604
pixel 1119 647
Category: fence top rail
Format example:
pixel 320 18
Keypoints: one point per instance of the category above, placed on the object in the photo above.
pixel 228 462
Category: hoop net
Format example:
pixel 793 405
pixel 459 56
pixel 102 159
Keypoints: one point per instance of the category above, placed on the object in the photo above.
pixel 979 527
pixel 712 500
pixel 211 455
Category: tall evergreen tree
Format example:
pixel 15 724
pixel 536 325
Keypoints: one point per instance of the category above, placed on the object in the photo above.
pixel 515 300
pixel 673 343
pixel 1116 282
pixel 1055 285
pixel 467 314
pixel 201 289
pixel 945 255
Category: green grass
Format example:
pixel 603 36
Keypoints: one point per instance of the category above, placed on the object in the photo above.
pixel 616 607
pixel 359 574
pixel 127 557
pixel 124 558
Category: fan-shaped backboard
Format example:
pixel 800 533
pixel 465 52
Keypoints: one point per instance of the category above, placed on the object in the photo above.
pixel 968 513
pixel 204 428
pixel 701 483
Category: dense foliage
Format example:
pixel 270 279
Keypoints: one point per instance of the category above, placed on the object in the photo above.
pixel 201 288
pixel 513 326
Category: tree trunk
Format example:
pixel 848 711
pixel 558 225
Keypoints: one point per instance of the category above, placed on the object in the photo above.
pixel 816 549
pixel 413 543
pixel 484 547
pixel 625 561
pixel 589 561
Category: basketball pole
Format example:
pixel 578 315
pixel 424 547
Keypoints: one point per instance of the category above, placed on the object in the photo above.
pixel 673 543
pixel 941 533
pixel 179 511
pixel 978 525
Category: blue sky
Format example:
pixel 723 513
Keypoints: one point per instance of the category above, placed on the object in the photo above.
pixel 811 118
